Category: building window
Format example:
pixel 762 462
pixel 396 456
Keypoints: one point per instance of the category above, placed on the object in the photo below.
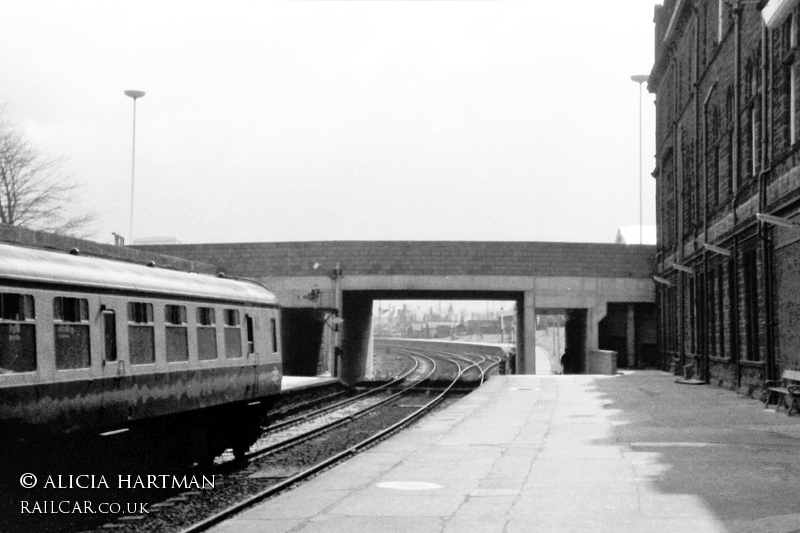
pixel 703 24
pixel 17 333
pixel 721 311
pixel 793 73
pixel 754 139
pixel 692 316
pixel 206 334
pixel 700 292
pixel 673 305
pixel 176 333
pixel 712 156
pixel 731 151
pixel 718 174
pixel 140 333
pixel 732 306
pixel 233 334
pixel 71 325
pixel 712 315
pixel 751 306
pixel 748 154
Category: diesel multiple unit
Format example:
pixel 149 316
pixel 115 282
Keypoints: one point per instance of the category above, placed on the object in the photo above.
pixel 95 347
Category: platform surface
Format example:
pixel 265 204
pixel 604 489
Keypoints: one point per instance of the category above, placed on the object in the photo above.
pixel 626 453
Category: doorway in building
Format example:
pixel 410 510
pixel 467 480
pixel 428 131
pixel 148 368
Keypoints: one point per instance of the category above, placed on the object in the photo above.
pixel 630 330
pixel 303 333
pixel 574 358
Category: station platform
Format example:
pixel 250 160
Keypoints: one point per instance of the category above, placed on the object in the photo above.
pixel 290 383
pixel 634 452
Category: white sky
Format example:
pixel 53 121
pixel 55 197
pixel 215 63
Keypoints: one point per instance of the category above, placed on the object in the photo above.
pixel 282 121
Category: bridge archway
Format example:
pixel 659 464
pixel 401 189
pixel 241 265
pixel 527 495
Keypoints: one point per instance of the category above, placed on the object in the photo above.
pixel 357 329
pixel 346 276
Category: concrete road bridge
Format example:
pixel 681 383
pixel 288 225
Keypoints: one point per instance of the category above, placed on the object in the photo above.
pixel 606 291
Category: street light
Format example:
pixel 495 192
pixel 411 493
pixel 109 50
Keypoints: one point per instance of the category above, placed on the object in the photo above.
pixel 777 221
pixel 133 94
pixel 717 250
pixel 640 79
pixel 336 276
pixel 682 268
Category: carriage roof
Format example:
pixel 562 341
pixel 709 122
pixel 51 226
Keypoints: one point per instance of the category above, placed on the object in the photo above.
pixel 93 273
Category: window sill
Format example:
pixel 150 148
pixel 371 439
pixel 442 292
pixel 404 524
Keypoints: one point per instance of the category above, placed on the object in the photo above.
pixel 753 364
pixel 720 360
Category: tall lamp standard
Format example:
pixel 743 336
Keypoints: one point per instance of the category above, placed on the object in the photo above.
pixel 133 94
pixel 640 79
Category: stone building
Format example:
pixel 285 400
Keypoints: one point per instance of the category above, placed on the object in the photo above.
pixel 727 83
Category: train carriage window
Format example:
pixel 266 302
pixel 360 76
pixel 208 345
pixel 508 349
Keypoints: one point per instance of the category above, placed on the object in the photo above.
pixel 274 327
pixel 251 336
pixel 109 335
pixel 17 333
pixel 233 334
pixel 206 334
pixel 140 333
pixel 71 324
pixel 176 333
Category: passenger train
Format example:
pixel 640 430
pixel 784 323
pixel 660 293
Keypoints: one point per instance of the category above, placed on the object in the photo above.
pixel 98 348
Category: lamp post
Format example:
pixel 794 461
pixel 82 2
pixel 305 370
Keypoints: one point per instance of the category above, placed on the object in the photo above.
pixel 336 276
pixel 640 79
pixel 501 325
pixel 133 94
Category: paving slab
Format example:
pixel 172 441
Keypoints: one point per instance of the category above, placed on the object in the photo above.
pixel 633 452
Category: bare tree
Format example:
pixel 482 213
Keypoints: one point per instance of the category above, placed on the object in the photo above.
pixel 34 193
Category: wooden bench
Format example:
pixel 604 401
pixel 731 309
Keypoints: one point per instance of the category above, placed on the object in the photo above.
pixel 786 391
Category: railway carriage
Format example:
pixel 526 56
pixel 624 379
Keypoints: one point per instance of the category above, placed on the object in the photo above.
pixel 92 347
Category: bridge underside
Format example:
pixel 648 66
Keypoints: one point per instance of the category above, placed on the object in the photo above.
pixel 585 302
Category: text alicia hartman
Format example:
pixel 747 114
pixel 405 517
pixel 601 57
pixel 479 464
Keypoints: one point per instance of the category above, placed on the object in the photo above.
pixel 127 481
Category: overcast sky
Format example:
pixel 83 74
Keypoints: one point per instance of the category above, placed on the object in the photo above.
pixel 283 121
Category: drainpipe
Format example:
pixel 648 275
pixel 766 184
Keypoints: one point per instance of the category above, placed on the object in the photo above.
pixel 763 230
pixel 678 238
pixel 336 276
pixel 706 303
pixel 697 160
pixel 735 338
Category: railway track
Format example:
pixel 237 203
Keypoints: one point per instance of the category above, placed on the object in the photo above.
pixel 297 448
pixel 423 368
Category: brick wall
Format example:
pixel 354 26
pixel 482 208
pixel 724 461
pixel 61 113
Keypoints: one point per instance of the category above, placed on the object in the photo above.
pixel 436 258
pixel 724 153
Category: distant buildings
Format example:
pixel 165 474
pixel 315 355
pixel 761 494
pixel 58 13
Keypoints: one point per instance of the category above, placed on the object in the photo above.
pixel 400 321
pixel 727 84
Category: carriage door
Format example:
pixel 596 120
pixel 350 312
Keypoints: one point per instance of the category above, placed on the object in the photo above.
pixel 111 361
pixel 112 367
